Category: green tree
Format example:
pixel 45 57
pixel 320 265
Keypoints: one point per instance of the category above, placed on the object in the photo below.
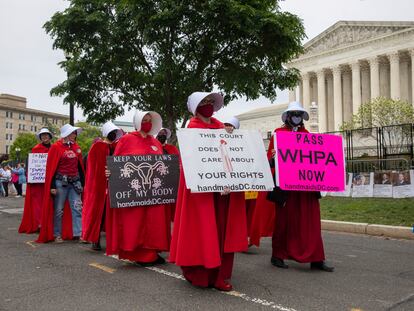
pixel 151 54
pixel 381 112
pixel 86 138
pixel 25 141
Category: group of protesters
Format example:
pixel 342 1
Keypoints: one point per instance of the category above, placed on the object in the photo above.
pixel 73 203
pixel 12 179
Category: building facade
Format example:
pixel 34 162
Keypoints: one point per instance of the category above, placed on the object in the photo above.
pixel 266 120
pixel 15 118
pixel 351 63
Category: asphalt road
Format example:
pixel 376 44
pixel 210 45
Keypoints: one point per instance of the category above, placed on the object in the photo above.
pixel 371 274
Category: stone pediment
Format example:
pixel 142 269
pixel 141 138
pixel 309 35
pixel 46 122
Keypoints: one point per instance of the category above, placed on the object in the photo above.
pixel 345 33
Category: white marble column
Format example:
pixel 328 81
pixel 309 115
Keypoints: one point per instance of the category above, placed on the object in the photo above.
pixel 374 76
pixel 347 95
pixel 337 85
pixel 412 76
pixel 395 75
pixel 292 95
pixel 356 87
pixel 322 112
pixel 306 91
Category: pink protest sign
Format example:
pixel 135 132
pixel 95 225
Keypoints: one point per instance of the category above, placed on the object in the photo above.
pixel 309 162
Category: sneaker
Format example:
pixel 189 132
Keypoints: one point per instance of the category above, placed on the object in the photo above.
pixel 18 196
pixel 58 239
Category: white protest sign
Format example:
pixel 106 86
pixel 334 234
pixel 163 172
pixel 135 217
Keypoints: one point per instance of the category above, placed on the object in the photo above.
pixel 214 159
pixel 36 168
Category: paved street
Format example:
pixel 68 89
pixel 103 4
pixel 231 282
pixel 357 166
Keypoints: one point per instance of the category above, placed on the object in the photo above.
pixel 371 274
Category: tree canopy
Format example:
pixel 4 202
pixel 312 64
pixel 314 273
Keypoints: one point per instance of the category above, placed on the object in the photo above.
pixel 151 54
pixel 381 112
pixel 25 141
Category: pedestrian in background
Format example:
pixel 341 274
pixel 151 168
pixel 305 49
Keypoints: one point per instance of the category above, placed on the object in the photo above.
pixel 19 179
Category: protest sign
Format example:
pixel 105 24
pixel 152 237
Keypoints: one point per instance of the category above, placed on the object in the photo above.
pixel 309 162
pixel 363 185
pixel 402 182
pixel 143 180
pixel 36 168
pixel 348 188
pixel 251 195
pixel 215 159
pixel 382 185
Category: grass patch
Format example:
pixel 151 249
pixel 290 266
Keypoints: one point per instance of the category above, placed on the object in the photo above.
pixel 394 212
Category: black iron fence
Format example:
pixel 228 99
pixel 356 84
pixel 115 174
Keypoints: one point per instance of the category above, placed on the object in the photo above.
pixel 379 148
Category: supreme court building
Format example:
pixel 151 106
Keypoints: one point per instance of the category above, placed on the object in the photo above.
pixel 348 64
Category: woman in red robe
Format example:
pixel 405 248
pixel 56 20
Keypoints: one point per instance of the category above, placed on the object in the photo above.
pixel 163 135
pixel 32 212
pixel 96 186
pixel 297 233
pixel 55 225
pixel 139 234
pixel 209 227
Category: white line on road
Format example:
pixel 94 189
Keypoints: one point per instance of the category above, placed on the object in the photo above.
pixel 233 293
pixel 12 210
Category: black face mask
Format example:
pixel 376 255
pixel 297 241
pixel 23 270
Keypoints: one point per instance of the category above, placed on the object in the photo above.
pixel 112 135
pixel 162 138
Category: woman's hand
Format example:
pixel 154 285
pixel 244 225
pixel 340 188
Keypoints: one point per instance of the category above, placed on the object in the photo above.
pixel 226 191
pixel 273 151
pixel 53 191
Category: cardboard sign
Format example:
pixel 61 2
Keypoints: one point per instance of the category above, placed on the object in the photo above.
pixel 251 195
pixel 36 168
pixel 214 159
pixel 143 180
pixel 363 185
pixel 309 162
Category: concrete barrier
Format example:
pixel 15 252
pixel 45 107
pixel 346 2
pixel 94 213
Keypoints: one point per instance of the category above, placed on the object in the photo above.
pixel 397 232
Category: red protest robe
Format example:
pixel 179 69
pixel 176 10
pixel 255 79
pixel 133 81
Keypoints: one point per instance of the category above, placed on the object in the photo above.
pixel 263 214
pixel 138 233
pixel 46 231
pixel 208 229
pixel 32 212
pixel 297 233
pixel 95 192
pixel 171 149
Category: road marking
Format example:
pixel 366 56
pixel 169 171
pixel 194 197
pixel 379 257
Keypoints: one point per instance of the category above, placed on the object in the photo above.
pixel 262 302
pixel 11 229
pixel 102 267
pixel 12 210
pixel 30 243
pixel 354 309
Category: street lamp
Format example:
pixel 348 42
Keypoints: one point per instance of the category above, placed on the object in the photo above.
pixel 18 154
pixel 68 56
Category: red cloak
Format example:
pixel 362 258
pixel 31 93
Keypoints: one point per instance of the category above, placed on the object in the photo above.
pixel 138 233
pixel 195 240
pixel 171 149
pixel 46 230
pixel 32 212
pixel 297 233
pixel 95 192
pixel 263 215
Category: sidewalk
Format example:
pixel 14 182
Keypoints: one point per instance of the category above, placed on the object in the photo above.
pixel 396 232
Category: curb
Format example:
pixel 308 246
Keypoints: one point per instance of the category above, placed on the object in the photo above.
pixel 396 232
